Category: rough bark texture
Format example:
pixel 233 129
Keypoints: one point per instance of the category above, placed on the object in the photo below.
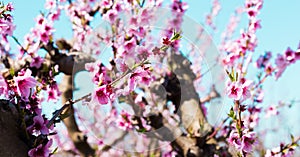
pixel 192 116
pixel 11 144
pixel 179 88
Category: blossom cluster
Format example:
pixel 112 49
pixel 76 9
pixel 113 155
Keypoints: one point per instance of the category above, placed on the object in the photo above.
pixel 22 88
pixel 6 27
pixel 239 88
pixel 24 91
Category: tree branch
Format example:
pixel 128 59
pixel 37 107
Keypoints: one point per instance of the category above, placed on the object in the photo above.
pixel 212 95
pixel 78 138
pixel 11 142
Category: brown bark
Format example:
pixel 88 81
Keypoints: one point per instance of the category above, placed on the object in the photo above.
pixel 179 89
pixel 78 138
pixel 11 143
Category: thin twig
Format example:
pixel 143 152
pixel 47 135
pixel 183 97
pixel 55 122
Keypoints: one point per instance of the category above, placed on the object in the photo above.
pixel 58 113
pixel 66 105
pixel 208 70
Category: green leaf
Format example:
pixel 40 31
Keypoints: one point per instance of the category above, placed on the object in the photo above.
pixel 231 75
pixel 239 155
pixel 164 48
pixel 152 155
pixel 293 138
pixel 142 130
pixel 139 3
pixel 176 36
pixel 12 72
pixel 231 114
pixel 285 151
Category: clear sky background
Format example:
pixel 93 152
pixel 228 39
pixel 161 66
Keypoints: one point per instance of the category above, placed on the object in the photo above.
pixel 280 29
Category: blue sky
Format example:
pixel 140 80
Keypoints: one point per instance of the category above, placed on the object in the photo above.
pixel 280 29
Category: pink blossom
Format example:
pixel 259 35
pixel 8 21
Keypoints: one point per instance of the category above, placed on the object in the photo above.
pixel 143 52
pixel 139 97
pixel 130 45
pixel 106 3
pixel 263 60
pixel 36 62
pixel 214 12
pixel 250 3
pixel 33 48
pixel 290 55
pixel 118 7
pixel 252 120
pixel 248 140
pixel 43 29
pixel 169 154
pixel 166 41
pixel 121 65
pixel 248 41
pixel 111 15
pixel 53 92
pixel 3 86
pixel 124 121
pixel 25 83
pixel 280 61
pixel 230 59
pixel 244 143
pixel 141 75
pixel 259 95
pixel 92 67
pixel 133 21
pixel 41 150
pixel 271 111
pixel 204 109
pixel 281 64
pixel 99 72
pixel 6 26
pixel 40 19
pixel 44 37
pixel 179 6
pixel 39 125
pixel 103 94
pixel 34 104
pixel 252 12
pixel 235 140
pixel 9 7
pixel 145 17
pixel 54 15
pixel 50 4
pixel 234 91
pixel 254 25
pixel 277 152
pixel 246 85
pixel 253 117
pixel 139 32
pixel 157 51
